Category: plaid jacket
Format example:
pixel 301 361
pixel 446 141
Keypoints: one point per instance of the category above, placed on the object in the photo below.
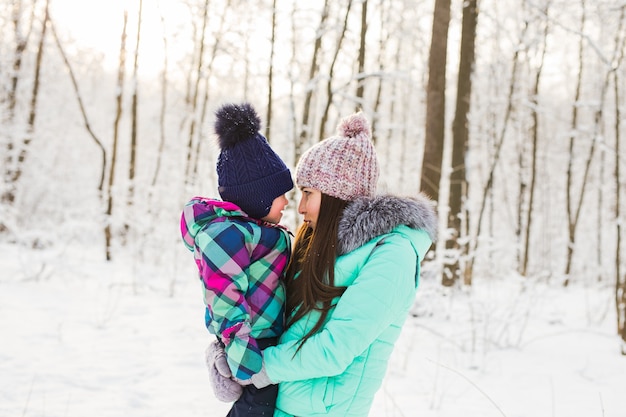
pixel 240 262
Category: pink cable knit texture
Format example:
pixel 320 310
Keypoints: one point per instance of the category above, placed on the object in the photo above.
pixel 343 166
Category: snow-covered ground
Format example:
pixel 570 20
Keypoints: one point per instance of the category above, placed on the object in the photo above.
pixel 82 337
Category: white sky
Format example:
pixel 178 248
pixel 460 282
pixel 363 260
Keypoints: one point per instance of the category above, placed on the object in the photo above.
pixel 97 25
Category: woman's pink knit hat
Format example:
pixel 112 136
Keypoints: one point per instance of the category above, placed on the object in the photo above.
pixel 343 166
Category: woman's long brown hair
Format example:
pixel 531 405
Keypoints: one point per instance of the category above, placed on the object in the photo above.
pixel 314 255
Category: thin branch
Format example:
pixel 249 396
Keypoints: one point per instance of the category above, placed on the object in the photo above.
pixel 80 101
pixel 471 383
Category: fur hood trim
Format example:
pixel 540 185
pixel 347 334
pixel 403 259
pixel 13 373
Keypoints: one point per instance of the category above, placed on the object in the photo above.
pixel 365 218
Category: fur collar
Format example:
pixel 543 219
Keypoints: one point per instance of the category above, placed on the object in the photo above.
pixel 365 218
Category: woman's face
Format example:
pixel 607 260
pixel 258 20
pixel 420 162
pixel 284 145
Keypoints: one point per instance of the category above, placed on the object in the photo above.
pixel 276 211
pixel 309 205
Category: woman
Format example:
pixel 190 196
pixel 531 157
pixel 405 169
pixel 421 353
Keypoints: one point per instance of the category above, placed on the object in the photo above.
pixel 350 283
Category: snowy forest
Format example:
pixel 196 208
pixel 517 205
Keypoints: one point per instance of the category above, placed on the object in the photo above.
pixel 508 113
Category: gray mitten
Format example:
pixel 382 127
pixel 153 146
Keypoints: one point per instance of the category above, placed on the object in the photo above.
pixel 224 388
pixel 259 380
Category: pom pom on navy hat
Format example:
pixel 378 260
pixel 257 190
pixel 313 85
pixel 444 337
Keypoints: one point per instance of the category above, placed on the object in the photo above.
pixel 236 123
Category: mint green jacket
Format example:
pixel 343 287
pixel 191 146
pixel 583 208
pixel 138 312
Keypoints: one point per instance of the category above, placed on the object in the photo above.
pixel 337 371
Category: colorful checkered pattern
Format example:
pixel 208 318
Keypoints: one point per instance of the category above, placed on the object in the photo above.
pixel 241 263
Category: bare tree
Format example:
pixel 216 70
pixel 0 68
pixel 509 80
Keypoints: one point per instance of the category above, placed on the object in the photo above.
pixel 599 134
pixel 162 113
pixel 460 138
pixel 133 113
pixel 92 134
pixel 574 208
pixel 331 73
pixel 361 59
pixel 620 278
pixel 305 130
pixel 270 75
pixel 534 143
pixel 195 90
pixel 500 139
pixel 81 105
pixel 620 281
pixel 22 154
pixel 12 168
pixel 193 64
pixel 21 42
pixel 382 41
pixel 121 71
pixel 436 101
pixel 205 100
pixel 32 113
pixel 397 92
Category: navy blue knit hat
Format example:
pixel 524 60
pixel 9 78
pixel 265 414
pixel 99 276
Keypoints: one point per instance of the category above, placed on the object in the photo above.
pixel 249 173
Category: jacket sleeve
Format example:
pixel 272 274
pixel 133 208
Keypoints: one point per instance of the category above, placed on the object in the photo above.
pixel 380 294
pixel 223 259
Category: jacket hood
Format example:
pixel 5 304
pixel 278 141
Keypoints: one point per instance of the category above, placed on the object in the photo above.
pixel 199 211
pixel 366 218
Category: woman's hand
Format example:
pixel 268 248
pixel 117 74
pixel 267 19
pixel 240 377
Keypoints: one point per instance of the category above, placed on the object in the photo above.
pixel 259 380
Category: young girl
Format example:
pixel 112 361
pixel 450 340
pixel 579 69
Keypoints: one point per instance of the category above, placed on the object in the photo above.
pixel 351 281
pixel 241 253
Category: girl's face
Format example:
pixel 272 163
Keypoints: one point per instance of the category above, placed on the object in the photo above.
pixel 276 211
pixel 309 205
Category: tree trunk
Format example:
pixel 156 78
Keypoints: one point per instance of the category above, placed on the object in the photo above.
pixel 118 116
pixel 32 114
pixel 331 74
pixel 435 101
pixel 384 38
pixel 486 192
pixel 305 130
pixel 535 139
pixel 38 66
pixel 397 92
pixel 21 41
pixel 162 112
pixel 292 122
pixel 571 229
pixel 195 91
pixel 456 251
pixel 361 60
pixel 12 168
pixel 573 209
pixel 133 115
pixel 205 100
pixel 32 109
pixel 620 277
pixel 270 76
